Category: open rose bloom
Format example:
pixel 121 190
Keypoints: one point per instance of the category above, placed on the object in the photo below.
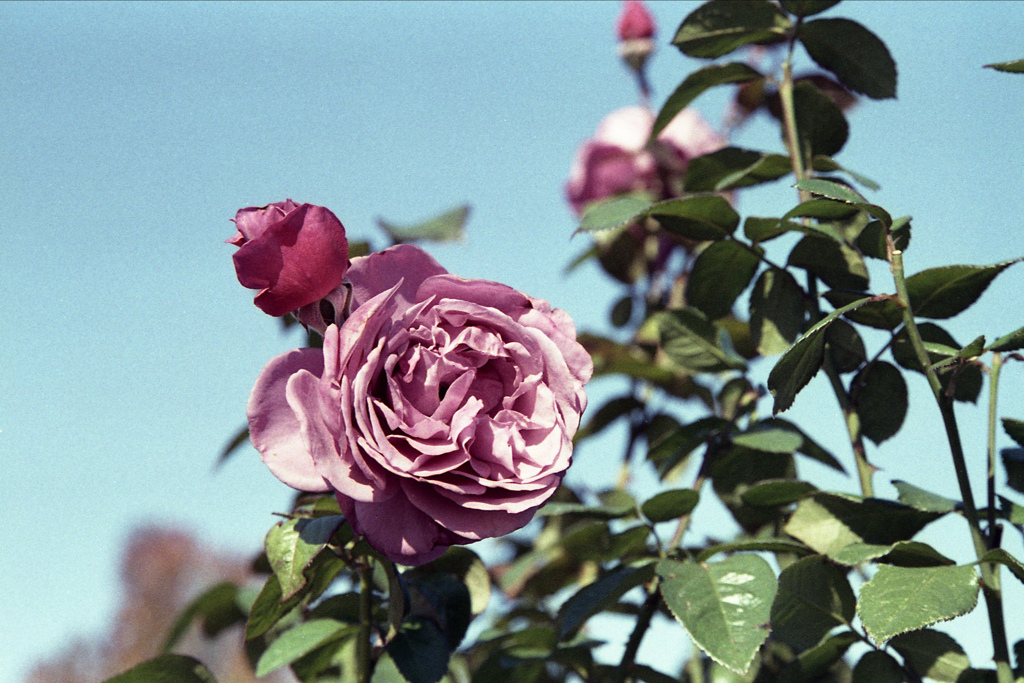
pixel 441 411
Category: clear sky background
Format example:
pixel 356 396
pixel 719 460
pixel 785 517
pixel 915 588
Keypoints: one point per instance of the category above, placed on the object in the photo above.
pixel 131 133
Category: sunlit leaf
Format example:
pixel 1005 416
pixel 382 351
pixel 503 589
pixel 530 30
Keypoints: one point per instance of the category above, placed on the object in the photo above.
pixel 695 84
pixel 932 654
pixel 901 599
pixel 717 28
pixel 946 291
pixel 842 193
pixel 919 499
pixel 814 596
pixel 693 343
pixel 777 492
pixel 720 274
pixel 858 58
pixel 701 217
pixel 291 546
pixel 1013 341
pixel 299 641
pixel 725 606
pixel 446 227
pixel 613 212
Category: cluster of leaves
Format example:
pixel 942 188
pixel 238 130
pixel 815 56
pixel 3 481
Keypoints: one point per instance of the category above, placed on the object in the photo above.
pixel 813 573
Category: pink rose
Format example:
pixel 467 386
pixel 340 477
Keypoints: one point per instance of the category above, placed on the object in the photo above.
pixel 295 254
pixel 635 22
pixel 440 412
pixel 615 161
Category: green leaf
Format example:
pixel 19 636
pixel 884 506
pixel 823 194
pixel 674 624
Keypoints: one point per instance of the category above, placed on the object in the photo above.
pixel 879 393
pixel 695 84
pixel 599 596
pixel 166 669
pixel 801 362
pixel 763 229
pixel 622 311
pixel 1014 67
pixel 882 313
pixel 291 546
pixel 946 291
pixel 717 28
pixel 701 217
pixel 823 162
pixel 914 554
pixel 932 654
pixel 838 265
pixel 446 227
pixel 846 346
pixel 240 437
pixel 724 606
pixel 693 343
pixel 674 447
pixel 857 57
pixel 1014 429
pixel 775 492
pixel 901 599
pixel 613 212
pixel 842 193
pixel 919 499
pixel 1013 341
pixel 720 274
pixel 878 667
pixel 829 522
pixel 820 123
pixel 814 596
pixel 776 311
pixel 217 607
pixel 764 436
pixel 269 607
pixel 608 413
pixel 809 447
pixel 1013 463
pixel 815 662
pixel 299 641
pixel 1002 557
pixel 669 505
pixel 420 651
pixel 732 167
pixel 966 383
pixel 807 8
pixel 872 240
pixel 775 545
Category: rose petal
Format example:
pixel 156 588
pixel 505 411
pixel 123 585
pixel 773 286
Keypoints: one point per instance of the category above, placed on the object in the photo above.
pixel 376 273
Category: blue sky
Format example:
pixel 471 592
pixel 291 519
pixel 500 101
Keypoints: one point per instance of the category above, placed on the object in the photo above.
pixel 133 132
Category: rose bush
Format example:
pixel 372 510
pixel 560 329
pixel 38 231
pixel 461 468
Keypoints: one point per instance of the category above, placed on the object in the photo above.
pixel 295 254
pixel 440 412
pixel 617 161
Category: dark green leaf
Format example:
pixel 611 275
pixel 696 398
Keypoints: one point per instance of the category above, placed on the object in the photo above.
pixel 166 669
pixel 932 654
pixel 613 212
pixel 842 193
pixel 872 239
pixel 776 311
pixel 702 217
pixel 724 606
pixel 1013 341
pixel 670 504
pixel 732 167
pixel 879 393
pixel 814 596
pixel 820 122
pixel 857 57
pixel 608 413
pixel 420 651
pixel 878 667
pixel 777 492
pixel 720 274
pixel 882 313
pixel 764 229
pixel 693 343
pixel 1013 463
pixel 814 663
pixel 967 381
pixel 1014 429
pixel 613 358
pixel 808 446
pixel 767 437
pixel 217 607
pixel 901 599
pixel 1002 557
pixel 1014 67
pixel 914 554
pixel 270 608
pixel 801 362
pixel 823 162
pixel 838 265
pixel 919 499
pixel 599 596
pixel 622 311
pixel 674 447
pixel 846 346
pixel 695 84
pixel 299 641
pixel 444 598
pixel 717 28
pixel 446 227
pixel 734 469
pixel 586 511
pixel 830 522
pixel 944 292
pixel 240 437
pixel 807 8
pixel 776 545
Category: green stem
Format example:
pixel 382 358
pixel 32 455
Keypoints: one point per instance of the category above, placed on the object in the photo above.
pixel 993 392
pixel 989 573
pixel 363 660
pixel 643 622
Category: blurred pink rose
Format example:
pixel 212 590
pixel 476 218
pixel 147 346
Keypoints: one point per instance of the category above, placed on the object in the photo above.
pixel 635 22
pixel 440 412
pixel 295 254
pixel 615 160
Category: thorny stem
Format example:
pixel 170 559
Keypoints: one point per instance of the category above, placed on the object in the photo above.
pixel 643 622
pixel 989 572
pixel 865 470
